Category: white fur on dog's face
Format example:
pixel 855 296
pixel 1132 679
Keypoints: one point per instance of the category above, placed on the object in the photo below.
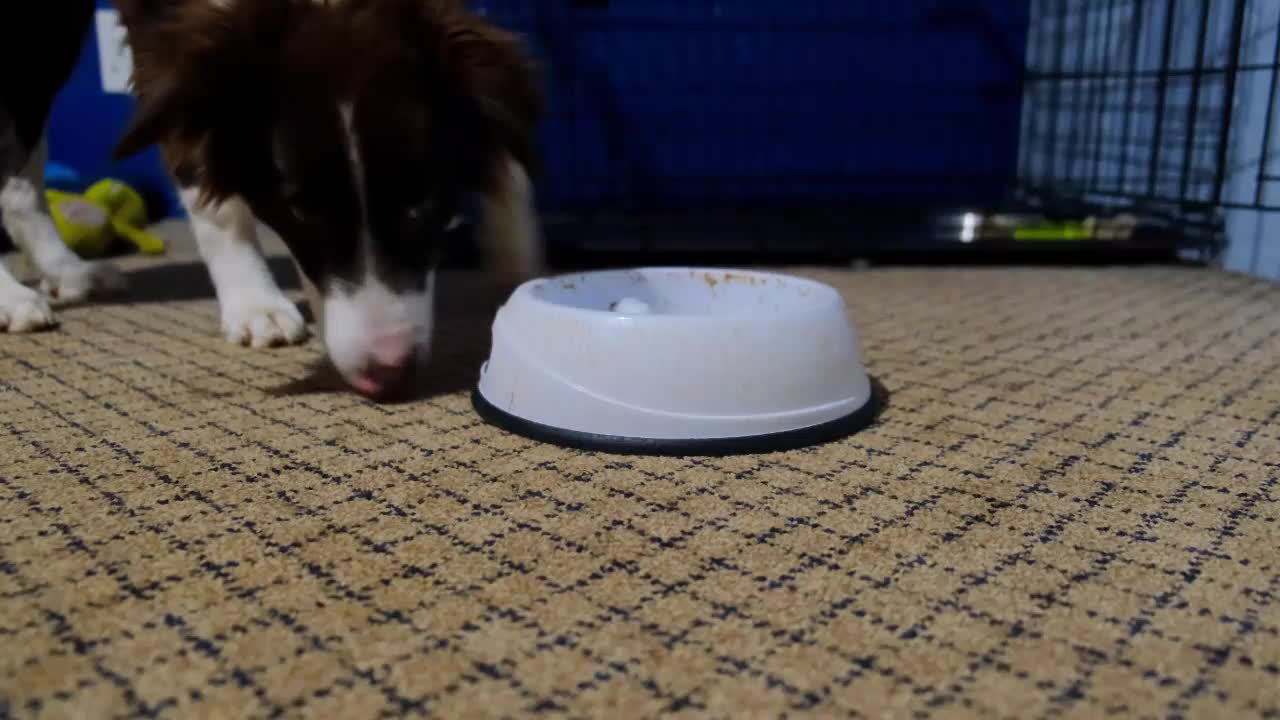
pixel 377 331
pixel 375 335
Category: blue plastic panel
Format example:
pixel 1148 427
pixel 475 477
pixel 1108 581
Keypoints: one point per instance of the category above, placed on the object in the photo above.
pixel 666 104
pixel 671 104
pixel 84 127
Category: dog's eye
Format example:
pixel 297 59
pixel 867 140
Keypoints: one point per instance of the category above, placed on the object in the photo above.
pixel 302 209
pixel 426 217
pixel 417 214
pixel 417 217
pixel 303 214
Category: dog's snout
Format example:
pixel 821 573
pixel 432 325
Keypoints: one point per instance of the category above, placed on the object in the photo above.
pixel 391 349
pixel 378 336
pixel 388 366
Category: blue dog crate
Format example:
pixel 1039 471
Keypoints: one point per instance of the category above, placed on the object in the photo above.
pixel 678 106
pixel 671 104
pixel 84 126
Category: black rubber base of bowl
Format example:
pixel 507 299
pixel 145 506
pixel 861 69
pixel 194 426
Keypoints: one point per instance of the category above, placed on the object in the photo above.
pixel 831 431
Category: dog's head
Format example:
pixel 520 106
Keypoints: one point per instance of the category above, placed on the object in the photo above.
pixel 356 129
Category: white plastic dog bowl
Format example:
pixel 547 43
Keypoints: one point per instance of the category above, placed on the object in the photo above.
pixel 676 361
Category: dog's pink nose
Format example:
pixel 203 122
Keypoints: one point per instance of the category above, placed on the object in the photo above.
pixel 391 350
pixel 387 365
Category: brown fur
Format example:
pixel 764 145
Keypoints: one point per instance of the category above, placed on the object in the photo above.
pixel 243 98
pixel 210 78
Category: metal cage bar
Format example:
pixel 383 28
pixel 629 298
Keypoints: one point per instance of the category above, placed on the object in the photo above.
pixel 1157 101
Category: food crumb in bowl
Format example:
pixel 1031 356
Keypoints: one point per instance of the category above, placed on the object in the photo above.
pixel 629 305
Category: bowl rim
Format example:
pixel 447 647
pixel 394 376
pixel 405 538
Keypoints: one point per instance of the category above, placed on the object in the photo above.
pixel 829 295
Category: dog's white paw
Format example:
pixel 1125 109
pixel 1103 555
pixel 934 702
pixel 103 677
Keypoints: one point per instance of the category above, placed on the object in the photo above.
pixel 76 280
pixel 18 196
pixel 263 321
pixel 23 310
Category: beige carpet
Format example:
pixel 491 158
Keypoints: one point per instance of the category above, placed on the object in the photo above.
pixel 1068 509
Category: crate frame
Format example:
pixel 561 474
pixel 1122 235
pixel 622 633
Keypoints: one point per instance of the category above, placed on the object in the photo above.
pixel 1145 114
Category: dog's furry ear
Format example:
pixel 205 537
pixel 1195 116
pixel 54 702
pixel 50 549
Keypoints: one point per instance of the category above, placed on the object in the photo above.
pixel 495 79
pixel 155 113
pixel 136 13
pixel 497 75
pixel 205 68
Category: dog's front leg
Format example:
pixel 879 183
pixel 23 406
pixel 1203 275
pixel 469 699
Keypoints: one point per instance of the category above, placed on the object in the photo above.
pixel 254 310
pixel 64 275
pixel 21 308
pixel 510 234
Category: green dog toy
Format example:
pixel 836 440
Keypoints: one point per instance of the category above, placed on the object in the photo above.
pixel 107 212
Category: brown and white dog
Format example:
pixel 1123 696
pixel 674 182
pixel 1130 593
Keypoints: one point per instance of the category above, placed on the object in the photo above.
pixel 357 130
